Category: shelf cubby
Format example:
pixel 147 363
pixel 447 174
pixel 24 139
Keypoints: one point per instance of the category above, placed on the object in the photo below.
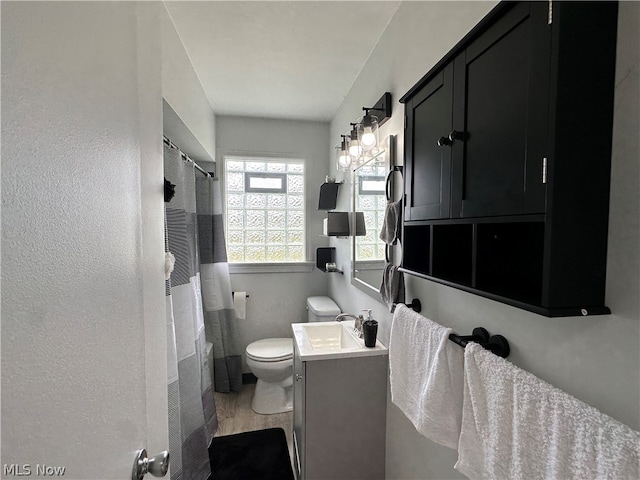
pixel 416 248
pixel 509 259
pixel 452 253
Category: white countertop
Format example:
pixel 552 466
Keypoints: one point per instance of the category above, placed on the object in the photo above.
pixel 308 352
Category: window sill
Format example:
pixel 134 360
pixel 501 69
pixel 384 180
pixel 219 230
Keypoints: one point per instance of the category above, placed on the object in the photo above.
pixel 285 267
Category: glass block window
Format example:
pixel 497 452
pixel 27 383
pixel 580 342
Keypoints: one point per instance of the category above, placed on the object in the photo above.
pixel 371 200
pixel 265 210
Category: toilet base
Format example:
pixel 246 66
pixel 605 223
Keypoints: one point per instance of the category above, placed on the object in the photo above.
pixel 270 398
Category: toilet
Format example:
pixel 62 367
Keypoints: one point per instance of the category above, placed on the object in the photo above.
pixel 271 361
pixel 322 309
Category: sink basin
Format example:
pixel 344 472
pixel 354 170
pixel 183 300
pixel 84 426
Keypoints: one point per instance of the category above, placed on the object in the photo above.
pixel 329 336
pixel 330 340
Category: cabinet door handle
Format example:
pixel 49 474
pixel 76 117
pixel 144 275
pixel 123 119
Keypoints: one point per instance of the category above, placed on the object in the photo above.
pixel 444 141
pixel 455 135
pixel 452 137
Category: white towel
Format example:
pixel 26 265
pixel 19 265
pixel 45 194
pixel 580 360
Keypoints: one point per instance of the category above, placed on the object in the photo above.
pixel 516 426
pixel 426 376
pixel 240 305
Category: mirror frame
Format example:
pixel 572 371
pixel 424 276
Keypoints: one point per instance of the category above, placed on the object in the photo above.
pixel 390 160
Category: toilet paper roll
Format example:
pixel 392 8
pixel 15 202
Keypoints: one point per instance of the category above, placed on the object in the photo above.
pixel 240 305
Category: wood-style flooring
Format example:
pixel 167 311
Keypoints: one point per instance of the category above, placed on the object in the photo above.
pixel 236 416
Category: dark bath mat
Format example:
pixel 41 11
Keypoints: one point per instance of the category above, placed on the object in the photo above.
pixel 262 454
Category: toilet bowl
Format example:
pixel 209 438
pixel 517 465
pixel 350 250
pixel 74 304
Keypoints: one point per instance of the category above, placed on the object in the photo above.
pixel 271 361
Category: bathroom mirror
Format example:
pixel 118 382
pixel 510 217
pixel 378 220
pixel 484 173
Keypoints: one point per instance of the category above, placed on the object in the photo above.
pixel 370 197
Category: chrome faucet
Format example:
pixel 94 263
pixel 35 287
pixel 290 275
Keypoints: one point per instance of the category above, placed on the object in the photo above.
pixel 357 328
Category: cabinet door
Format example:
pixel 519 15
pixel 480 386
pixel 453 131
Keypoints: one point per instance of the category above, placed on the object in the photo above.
pixel 500 109
pixel 299 450
pixel 427 165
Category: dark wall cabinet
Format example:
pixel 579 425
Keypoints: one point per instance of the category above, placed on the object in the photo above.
pixel 507 158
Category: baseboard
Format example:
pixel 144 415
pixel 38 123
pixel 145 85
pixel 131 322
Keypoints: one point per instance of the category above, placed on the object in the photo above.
pixel 249 378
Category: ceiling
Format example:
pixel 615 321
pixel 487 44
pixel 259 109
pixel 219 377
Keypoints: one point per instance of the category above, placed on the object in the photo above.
pixel 279 59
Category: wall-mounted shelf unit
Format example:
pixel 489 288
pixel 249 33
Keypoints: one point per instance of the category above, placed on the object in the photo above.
pixel 344 224
pixel 507 159
pixel 326 255
pixel 328 197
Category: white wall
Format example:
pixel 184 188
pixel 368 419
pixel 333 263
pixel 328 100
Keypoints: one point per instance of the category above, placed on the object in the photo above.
pixel 82 249
pixel 189 120
pixel 596 359
pixel 278 299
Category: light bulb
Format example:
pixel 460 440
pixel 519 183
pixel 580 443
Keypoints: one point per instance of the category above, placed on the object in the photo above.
pixel 344 160
pixel 368 132
pixel 368 139
pixel 354 148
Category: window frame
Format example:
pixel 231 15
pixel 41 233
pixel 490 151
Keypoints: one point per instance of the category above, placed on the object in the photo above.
pixel 249 175
pixel 305 265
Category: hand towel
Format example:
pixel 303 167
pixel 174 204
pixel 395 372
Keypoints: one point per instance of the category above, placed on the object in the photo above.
pixel 426 376
pixel 240 305
pixel 514 425
pixel 392 286
pixel 392 224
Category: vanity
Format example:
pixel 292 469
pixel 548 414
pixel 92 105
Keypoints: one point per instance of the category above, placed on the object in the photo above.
pixel 339 403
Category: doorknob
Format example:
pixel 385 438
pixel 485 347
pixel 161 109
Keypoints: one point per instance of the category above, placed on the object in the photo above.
pixel 156 466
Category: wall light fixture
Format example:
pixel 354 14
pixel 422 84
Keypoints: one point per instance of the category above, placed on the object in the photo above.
pixel 343 159
pixel 362 143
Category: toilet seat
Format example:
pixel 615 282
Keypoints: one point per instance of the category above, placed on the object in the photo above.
pixel 270 350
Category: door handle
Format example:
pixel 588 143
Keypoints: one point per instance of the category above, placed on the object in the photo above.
pixel 156 466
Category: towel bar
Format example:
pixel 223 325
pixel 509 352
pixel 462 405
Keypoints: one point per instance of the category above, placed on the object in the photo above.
pixel 235 292
pixel 497 344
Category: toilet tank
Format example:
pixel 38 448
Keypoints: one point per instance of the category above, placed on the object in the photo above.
pixel 322 309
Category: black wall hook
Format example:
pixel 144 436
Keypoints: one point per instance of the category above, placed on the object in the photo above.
pixel 415 304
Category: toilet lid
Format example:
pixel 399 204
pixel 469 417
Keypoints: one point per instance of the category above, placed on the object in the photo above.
pixel 271 349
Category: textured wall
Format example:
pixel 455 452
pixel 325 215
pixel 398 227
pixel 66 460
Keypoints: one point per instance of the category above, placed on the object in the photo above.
pixel 81 272
pixel 596 358
pixel 278 299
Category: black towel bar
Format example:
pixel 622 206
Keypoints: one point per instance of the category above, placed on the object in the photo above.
pixel 497 344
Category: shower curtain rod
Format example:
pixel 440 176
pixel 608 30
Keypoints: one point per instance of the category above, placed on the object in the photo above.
pixel 184 155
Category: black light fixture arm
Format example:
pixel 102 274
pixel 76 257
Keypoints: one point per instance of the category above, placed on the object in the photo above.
pixel 383 106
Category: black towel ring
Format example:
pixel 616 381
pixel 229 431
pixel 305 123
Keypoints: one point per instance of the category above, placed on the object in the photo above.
pixel 387 183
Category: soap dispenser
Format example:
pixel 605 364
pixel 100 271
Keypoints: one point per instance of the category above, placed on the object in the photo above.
pixel 370 330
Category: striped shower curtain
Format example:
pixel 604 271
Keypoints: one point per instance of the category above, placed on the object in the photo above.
pixel 192 414
pixel 216 288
